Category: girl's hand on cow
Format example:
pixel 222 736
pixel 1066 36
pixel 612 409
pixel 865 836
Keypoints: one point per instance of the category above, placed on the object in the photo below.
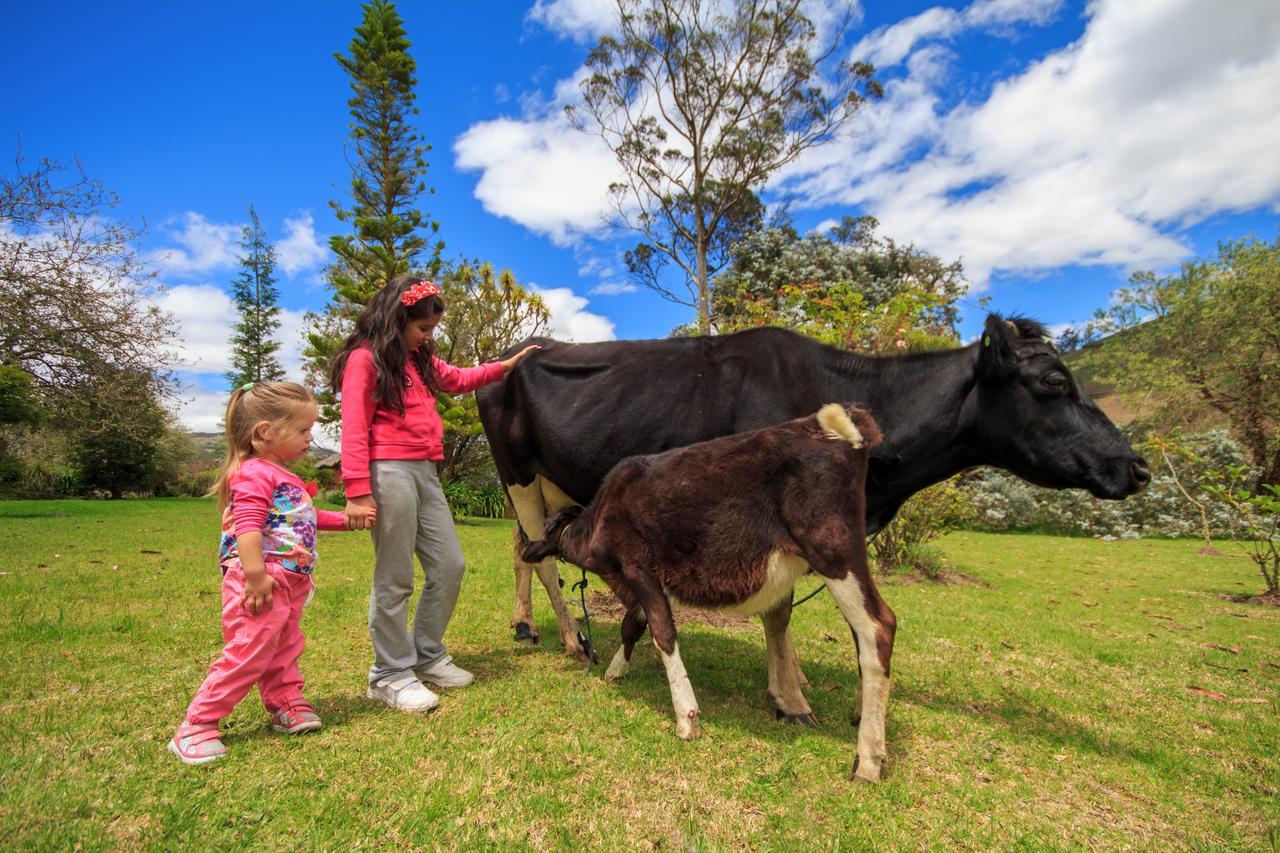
pixel 509 364
pixel 361 512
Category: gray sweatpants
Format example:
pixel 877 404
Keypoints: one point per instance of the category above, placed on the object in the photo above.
pixel 413 517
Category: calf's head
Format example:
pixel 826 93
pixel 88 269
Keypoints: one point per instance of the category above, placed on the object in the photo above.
pixel 1029 416
pixel 549 544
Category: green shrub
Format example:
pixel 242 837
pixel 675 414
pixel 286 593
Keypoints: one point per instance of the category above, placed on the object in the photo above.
pixel 44 479
pixel 903 544
pixel 197 482
pixel 486 501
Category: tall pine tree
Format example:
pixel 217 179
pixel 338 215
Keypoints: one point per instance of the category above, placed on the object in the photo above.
pixel 385 152
pixel 253 346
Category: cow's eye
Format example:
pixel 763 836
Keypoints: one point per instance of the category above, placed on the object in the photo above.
pixel 1054 380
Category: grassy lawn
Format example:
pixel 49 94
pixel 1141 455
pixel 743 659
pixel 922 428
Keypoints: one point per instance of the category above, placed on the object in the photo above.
pixel 1076 693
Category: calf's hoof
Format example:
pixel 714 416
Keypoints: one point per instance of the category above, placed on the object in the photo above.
pixel 525 634
pixel 809 721
pixel 687 727
pixel 618 667
pixel 865 774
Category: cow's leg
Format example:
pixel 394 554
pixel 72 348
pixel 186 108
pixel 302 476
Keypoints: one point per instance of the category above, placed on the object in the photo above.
pixel 784 686
pixel 531 512
pixel 663 627
pixel 522 617
pixel 873 625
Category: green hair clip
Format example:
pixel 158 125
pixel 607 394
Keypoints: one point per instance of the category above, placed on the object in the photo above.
pixel 986 342
pixel 246 387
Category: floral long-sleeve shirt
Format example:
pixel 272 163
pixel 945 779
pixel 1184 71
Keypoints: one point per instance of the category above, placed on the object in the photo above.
pixel 274 501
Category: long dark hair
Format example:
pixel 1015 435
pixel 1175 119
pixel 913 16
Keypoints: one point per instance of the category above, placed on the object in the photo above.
pixel 381 325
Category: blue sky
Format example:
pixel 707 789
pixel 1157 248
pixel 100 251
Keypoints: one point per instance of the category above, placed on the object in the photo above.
pixel 1053 146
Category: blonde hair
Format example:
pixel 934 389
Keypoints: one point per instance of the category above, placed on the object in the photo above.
pixel 274 402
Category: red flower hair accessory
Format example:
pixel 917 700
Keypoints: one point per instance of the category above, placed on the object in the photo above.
pixel 418 292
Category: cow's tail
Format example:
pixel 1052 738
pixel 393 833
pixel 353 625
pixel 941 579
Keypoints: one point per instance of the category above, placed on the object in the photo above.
pixel 835 422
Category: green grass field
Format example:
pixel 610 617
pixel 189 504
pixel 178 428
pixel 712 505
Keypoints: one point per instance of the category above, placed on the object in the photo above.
pixel 1072 693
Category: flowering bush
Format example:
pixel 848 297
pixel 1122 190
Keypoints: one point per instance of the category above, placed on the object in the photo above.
pixel 1001 501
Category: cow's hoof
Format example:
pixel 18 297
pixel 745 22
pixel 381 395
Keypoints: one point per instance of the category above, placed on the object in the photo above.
pixel 861 775
pixel 809 721
pixel 581 650
pixel 525 634
pixel 687 728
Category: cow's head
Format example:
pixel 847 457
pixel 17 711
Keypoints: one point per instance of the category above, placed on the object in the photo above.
pixel 1030 417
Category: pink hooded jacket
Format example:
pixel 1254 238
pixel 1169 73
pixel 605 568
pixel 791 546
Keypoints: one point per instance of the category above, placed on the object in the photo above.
pixel 372 431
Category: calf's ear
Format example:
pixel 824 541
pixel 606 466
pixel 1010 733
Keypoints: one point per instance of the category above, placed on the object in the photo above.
pixel 997 360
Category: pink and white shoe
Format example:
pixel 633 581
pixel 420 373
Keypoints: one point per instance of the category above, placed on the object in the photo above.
pixel 197 743
pixel 296 717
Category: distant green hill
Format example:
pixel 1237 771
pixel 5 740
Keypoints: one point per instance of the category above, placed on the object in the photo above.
pixel 1119 407
pixel 210 447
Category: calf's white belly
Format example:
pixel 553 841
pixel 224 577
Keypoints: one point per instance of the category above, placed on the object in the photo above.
pixel 781 573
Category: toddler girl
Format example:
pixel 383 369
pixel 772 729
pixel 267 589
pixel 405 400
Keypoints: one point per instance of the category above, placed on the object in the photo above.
pixel 267 553
pixel 392 438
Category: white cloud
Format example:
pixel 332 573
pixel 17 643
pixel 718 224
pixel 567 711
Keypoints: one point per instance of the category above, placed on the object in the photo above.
pixel 612 288
pixel 887 46
pixel 568 321
pixel 542 173
pixel 204 247
pixel 301 247
pixel 201 410
pixel 1160 115
pixel 985 13
pixel 580 20
pixel 206 319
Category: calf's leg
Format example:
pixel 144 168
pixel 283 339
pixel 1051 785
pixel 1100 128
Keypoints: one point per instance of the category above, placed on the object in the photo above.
pixel 633 628
pixel 873 625
pixel 663 627
pixel 784 683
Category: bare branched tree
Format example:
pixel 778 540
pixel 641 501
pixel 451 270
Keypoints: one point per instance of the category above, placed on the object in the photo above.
pixel 78 304
pixel 700 102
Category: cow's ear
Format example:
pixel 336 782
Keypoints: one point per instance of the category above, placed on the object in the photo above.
pixel 997 360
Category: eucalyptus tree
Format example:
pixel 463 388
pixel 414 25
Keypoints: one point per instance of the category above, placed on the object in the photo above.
pixel 700 102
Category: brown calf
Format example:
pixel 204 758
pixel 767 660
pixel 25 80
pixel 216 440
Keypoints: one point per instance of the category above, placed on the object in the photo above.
pixel 731 524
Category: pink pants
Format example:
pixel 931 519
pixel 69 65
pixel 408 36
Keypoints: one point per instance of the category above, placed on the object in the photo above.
pixel 262 649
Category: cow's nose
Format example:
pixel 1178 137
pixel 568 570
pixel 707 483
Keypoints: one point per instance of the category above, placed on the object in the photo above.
pixel 1141 474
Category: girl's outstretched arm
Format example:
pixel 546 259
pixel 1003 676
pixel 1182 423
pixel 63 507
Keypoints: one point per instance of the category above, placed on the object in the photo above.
pixel 510 364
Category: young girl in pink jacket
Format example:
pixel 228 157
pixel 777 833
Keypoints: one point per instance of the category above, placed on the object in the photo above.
pixel 267 553
pixel 392 437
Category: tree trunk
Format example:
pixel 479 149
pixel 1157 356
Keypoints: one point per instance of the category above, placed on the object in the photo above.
pixel 704 308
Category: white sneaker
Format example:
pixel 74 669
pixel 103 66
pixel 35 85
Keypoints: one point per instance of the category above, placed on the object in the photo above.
pixel 444 674
pixel 403 692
